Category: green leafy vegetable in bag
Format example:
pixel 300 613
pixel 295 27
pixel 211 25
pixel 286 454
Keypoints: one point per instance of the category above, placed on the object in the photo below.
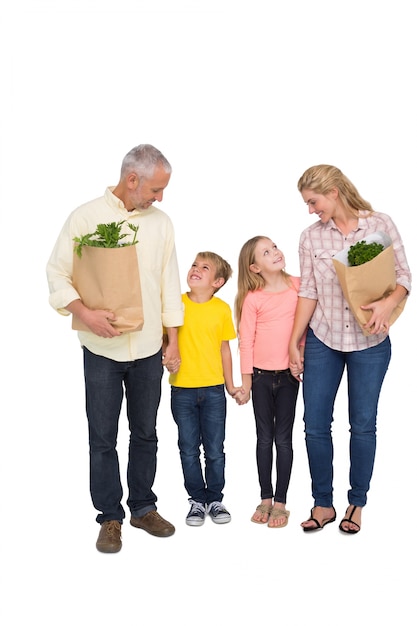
pixel 106 236
pixel 362 252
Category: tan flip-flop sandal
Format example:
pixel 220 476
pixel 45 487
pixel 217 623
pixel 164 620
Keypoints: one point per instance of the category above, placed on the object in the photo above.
pixel 264 509
pixel 278 513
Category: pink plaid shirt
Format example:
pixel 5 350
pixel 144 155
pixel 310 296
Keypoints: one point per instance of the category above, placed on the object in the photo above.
pixel 332 321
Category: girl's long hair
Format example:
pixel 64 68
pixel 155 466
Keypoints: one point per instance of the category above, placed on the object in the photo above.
pixel 248 280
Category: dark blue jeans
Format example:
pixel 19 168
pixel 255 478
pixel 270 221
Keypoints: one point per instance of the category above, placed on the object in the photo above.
pixel 274 399
pixel 200 414
pixel 323 370
pixel 105 382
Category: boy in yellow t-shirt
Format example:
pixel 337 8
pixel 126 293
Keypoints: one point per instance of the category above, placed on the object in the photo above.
pixel 198 399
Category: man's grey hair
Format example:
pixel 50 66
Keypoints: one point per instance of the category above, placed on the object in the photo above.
pixel 143 160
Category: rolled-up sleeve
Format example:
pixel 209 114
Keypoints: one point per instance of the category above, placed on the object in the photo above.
pixel 59 271
pixel 172 306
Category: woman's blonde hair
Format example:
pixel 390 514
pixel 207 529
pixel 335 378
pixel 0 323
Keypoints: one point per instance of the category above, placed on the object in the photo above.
pixel 248 280
pixel 323 178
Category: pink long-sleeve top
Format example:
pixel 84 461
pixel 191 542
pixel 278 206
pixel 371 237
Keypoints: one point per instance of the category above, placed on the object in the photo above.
pixel 265 328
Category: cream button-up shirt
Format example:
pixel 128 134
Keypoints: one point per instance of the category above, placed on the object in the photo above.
pixel 158 270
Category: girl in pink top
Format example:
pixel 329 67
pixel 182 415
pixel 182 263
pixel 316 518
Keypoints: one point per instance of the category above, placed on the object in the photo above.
pixel 264 308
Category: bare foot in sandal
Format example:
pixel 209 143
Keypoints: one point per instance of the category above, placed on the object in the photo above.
pixel 351 523
pixel 261 515
pixel 279 516
pixel 319 517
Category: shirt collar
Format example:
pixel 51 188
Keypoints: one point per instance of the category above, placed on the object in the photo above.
pixel 114 201
pixel 362 223
pixel 119 205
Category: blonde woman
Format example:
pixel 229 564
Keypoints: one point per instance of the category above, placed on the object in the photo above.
pixel 264 309
pixel 335 340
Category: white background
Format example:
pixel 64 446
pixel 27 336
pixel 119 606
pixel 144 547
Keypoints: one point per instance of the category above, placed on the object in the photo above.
pixel 242 97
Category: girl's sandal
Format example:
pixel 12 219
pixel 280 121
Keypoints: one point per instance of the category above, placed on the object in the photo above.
pixel 265 509
pixel 275 513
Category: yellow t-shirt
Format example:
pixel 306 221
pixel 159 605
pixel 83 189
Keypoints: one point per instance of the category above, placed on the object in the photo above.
pixel 206 326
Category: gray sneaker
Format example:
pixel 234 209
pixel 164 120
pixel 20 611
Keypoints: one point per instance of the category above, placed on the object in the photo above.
pixel 196 514
pixel 218 513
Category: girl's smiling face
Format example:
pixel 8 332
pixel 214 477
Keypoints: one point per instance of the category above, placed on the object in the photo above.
pixel 268 258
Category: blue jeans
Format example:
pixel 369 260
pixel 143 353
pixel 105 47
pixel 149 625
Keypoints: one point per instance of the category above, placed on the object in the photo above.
pixel 323 370
pixel 105 382
pixel 200 414
pixel 274 399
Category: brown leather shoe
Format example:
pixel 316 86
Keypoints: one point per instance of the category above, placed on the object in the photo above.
pixel 154 524
pixel 109 538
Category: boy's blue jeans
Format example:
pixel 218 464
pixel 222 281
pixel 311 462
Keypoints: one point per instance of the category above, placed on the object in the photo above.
pixel 323 370
pixel 200 414
pixel 105 382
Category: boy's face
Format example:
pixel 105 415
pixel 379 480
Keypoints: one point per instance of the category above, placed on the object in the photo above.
pixel 202 275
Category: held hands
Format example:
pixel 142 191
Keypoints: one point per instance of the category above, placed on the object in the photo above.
pixel 297 362
pixel 171 359
pixel 242 397
pixel 297 369
pixel 239 394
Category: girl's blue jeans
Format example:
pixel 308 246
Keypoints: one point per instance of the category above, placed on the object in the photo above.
pixel 323 370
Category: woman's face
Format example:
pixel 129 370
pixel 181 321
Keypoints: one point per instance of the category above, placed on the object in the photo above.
pixel 324 206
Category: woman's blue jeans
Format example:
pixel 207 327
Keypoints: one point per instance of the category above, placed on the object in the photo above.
pixel 200 414
pixel 274 399
pixel 105 382
pixel 323 370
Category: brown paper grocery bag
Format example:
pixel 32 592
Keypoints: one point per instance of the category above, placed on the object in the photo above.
pixel 108 278
pixel 367 283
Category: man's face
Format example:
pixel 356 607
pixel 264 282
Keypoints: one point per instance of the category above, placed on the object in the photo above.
pixel 150 190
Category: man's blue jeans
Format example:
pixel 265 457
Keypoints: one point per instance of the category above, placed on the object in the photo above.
pixel 200 414
pixel 105 382
pixel 323 370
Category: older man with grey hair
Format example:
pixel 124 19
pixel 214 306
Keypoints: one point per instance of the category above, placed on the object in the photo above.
pixel 118 363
